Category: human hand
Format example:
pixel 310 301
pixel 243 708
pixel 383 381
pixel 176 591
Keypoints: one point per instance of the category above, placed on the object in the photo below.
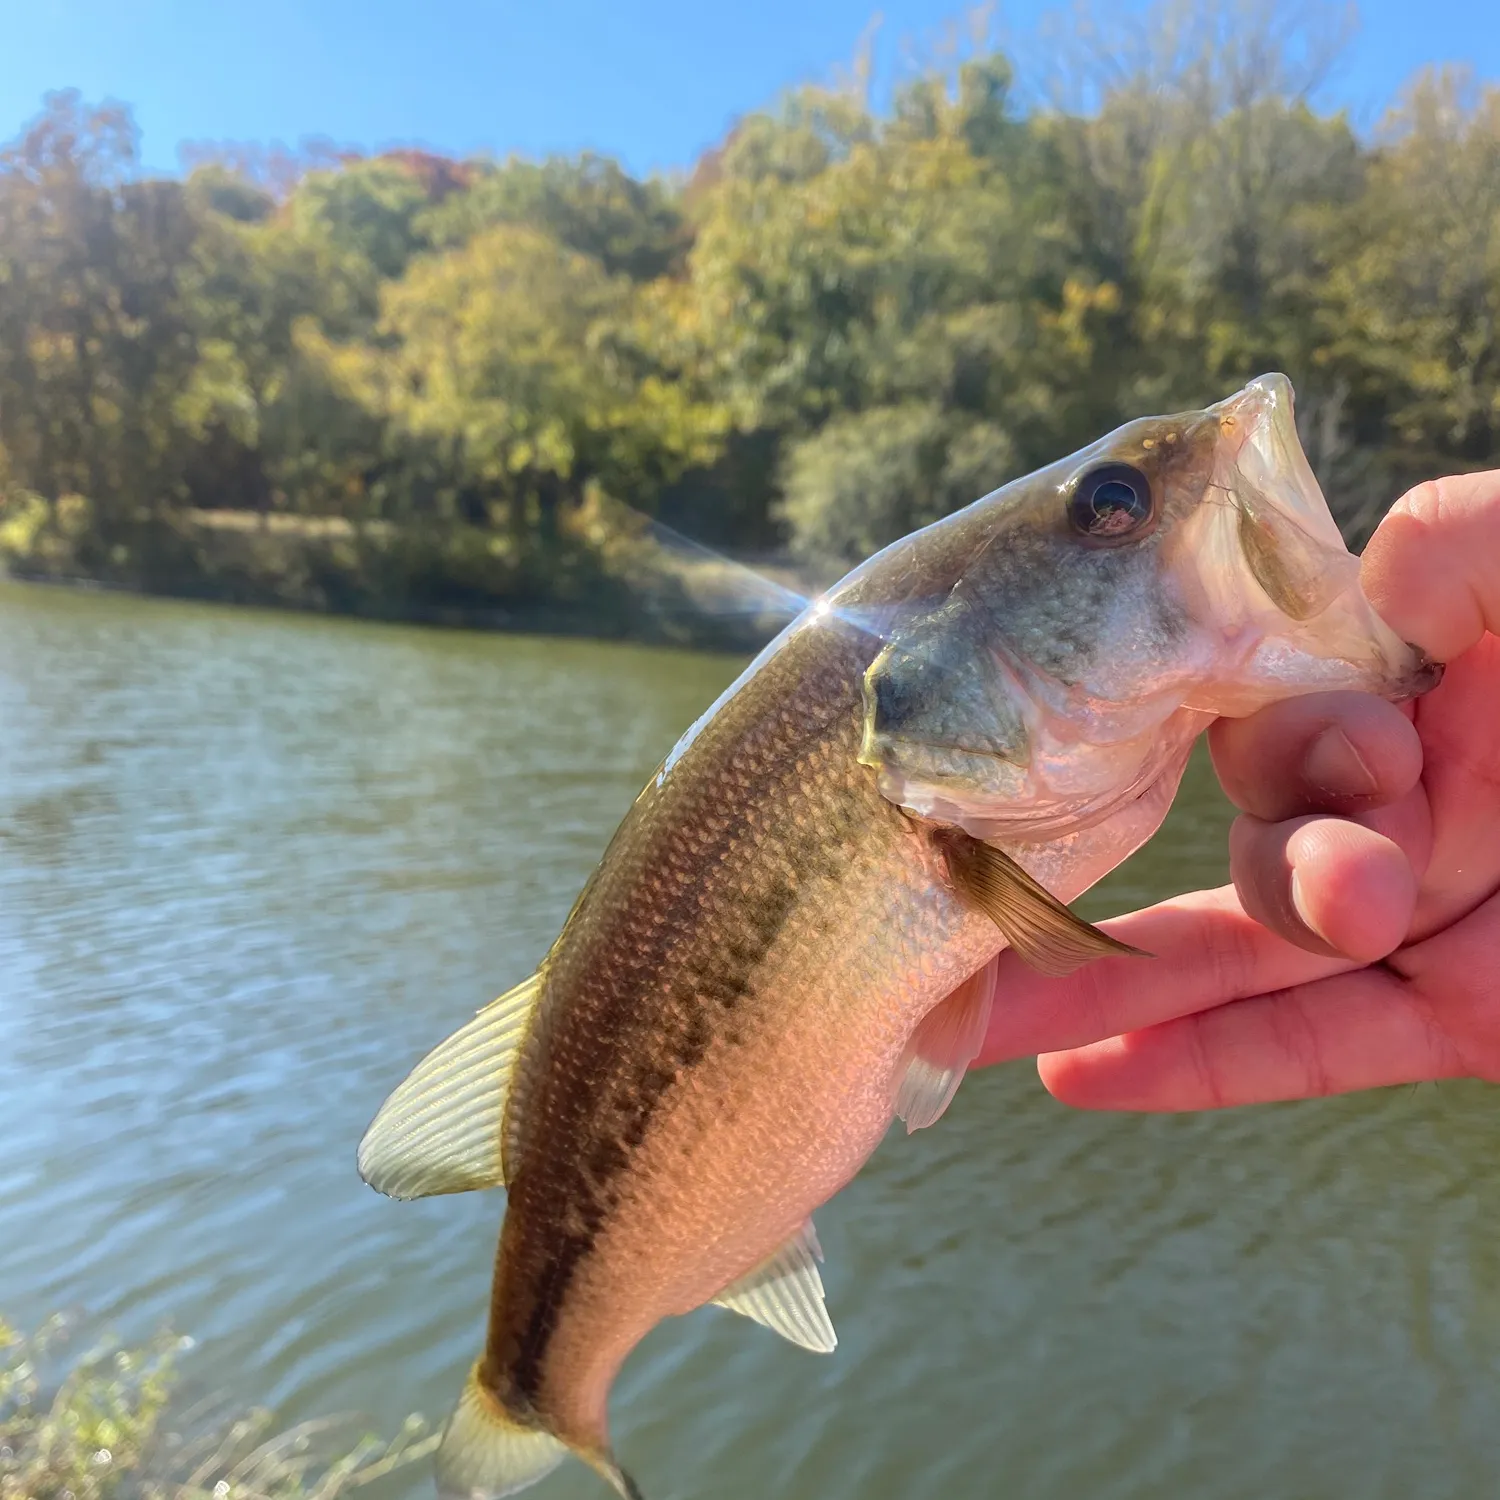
pixel 1360 942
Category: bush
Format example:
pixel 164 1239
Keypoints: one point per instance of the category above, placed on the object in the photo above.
pixel 865 480
pixel 102 1424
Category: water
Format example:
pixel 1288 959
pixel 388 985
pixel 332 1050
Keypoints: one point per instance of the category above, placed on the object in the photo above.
pixel 252 865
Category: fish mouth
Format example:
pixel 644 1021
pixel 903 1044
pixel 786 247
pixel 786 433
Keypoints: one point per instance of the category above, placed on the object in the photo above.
pixel 1258 426
pixel 1275 579
pixel 1424 675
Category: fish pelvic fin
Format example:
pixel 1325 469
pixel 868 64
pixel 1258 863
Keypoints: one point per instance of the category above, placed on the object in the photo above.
pixel 441 1130
pixel 488 1452
pixel 946 1041
pixel 1044 933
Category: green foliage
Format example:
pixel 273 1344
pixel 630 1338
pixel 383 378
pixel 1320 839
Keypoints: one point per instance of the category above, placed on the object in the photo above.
pixel 865 480
pixel 365 213
pixel 844 323
pixel 590 205
pixel 95 340
pixel 99 1425
pixel 1415 299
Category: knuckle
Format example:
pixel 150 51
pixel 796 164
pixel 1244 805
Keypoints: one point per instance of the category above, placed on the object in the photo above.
pixel 1296 1036
pixel 1201 1060
pixel 1233 955
pixel 1426 502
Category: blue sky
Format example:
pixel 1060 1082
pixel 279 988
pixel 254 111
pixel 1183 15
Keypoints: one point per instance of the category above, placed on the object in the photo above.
pixel 653 83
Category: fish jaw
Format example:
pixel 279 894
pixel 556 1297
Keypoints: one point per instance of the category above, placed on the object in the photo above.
pixel 1263 569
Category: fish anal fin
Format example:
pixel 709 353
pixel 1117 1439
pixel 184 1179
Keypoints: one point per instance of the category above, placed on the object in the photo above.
pixel 440 1131
pixel 1043 932
pixel 785 1294
pixel 946 1041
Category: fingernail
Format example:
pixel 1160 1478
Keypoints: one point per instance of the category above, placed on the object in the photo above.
pixel 1332 764
pixel 1299 908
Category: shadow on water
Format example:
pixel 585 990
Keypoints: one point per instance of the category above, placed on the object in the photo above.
pixel 251 866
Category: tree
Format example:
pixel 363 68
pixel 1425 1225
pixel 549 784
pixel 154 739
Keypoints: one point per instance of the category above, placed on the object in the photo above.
pixel 1416 294
pixel 94 340
pixel 517 359
pixel 589 204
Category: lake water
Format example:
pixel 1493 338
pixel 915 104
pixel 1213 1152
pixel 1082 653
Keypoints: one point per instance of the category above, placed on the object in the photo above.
pixel 251 866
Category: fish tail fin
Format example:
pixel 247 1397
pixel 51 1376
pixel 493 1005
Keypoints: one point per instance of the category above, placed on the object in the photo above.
pixel 488 1452
pixel 603 1463
pixel 621 1482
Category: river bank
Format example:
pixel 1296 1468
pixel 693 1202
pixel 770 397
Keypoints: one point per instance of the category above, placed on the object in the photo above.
pixel 606 576
pixel 95 1420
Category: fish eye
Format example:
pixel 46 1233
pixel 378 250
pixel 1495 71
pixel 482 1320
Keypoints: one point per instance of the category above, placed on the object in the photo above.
pixel 1111 503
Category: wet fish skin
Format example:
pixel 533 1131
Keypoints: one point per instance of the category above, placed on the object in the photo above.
pixel 786 939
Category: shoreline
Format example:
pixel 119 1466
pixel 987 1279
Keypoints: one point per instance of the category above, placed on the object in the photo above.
pixel 559 622
pixel 602 584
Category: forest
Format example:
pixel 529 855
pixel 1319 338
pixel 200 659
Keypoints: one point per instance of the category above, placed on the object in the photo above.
pixel 413 386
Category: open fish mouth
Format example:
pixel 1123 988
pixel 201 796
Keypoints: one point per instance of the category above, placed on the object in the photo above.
pixel 1259 425
pixel 1271 573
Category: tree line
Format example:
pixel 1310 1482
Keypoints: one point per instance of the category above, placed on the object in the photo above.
pixel 845 321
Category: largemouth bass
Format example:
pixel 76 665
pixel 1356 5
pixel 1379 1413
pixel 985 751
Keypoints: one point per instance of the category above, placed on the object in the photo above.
pixel 791 939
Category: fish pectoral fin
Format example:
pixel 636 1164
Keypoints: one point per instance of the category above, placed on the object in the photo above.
pixel 785 1293
pixel 946 1041
pixel 1049 937
pixel 440 1131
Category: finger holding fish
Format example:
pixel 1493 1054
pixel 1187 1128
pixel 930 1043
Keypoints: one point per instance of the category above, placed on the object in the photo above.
pixel 1250 938
pixel 1342 753
pixel 1208 951
pixel 1428 1013
pixel 1338 1034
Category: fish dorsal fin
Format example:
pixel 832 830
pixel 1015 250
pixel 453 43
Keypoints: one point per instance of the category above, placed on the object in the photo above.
pixel 785 1293
pixel 946 1041
pixel 440 1132
pixel 1049 937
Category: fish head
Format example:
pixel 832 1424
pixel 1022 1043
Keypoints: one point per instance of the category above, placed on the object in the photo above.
pixel 1067 636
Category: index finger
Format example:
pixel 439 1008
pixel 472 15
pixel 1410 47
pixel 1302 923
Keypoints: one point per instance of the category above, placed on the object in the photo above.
pixel 1432 569
pixel 1206 951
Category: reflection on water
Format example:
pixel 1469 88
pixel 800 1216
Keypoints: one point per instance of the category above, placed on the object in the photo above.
pixel 251 866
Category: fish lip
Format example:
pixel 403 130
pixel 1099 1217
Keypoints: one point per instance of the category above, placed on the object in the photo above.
pixel 1425 674
pixel 1268 398
pixel 1261 417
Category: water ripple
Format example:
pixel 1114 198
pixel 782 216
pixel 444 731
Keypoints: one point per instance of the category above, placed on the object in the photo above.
pixel 251 866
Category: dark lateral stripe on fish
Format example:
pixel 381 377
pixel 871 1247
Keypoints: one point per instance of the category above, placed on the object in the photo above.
pixel 609 1153
pixel 523 1373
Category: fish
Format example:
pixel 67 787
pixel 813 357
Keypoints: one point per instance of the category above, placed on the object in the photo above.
pixel 791 941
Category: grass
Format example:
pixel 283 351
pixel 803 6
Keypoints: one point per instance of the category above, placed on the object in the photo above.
pixel 104 1422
